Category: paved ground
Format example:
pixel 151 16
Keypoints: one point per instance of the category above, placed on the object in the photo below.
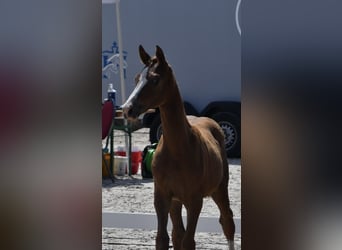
pixel 123 239
pixel 135 195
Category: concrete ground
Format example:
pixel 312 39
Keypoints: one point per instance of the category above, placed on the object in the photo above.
pixel 135 195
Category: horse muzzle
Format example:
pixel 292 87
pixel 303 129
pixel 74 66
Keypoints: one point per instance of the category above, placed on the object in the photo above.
pixel 127 110
pixel 130 111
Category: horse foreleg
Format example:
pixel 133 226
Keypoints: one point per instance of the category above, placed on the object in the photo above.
pixel 226 215
pixel 162 205
pixel 177 224
pixel 193 211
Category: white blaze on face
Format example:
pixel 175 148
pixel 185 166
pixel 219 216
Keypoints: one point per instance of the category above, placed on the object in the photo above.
pixel 141 83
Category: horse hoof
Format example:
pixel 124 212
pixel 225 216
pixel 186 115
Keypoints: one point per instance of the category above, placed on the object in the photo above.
pixel 231 245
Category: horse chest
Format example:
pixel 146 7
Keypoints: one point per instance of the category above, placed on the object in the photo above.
pixel 171 168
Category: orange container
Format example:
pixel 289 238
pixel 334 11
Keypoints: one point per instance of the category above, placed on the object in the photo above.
pixel 104 169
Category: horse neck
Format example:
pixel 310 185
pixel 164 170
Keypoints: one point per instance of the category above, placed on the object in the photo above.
pixel 175 124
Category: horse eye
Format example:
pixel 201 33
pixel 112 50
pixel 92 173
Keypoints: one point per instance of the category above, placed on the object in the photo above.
pixel 154 80
pixel 136 79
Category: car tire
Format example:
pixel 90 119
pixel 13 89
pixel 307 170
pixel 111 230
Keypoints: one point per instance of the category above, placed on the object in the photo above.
pixel 230 124
pixel 156 129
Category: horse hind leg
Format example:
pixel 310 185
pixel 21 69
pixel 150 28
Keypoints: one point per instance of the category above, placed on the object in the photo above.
pixel 178 229
pixel 226 215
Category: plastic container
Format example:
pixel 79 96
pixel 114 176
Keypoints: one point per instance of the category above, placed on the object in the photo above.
pixel 136 158
pixel 120 165
pixel 120 153
pixel 149 158
pixel 111 92
pixel 104 169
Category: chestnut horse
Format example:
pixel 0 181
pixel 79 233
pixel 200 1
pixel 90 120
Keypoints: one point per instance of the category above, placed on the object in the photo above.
pixel 190 161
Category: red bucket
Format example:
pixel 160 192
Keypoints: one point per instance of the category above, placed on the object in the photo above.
pixel 136 160
pixel 120 153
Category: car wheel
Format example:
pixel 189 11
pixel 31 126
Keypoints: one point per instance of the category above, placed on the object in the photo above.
pixel 230 125
pixel 156 130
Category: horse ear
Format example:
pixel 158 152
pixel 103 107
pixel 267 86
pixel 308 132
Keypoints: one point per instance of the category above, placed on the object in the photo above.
pixel 145 58
pixel 160 55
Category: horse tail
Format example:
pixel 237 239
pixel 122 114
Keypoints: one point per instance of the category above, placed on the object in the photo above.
pixel 225 163
pixel 219 135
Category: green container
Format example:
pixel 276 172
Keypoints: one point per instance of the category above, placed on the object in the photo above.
pixel 148 159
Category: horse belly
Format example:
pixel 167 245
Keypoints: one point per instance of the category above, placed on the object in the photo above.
pixel 185 183
pixel 212 176
pixel 176 180
pixel 212 164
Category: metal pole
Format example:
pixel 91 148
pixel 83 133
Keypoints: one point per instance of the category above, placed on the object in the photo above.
pixel 122 80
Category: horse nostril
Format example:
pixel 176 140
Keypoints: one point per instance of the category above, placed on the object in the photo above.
pixel 127 110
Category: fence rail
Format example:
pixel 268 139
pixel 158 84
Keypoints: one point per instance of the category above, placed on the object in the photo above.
pixel 149 222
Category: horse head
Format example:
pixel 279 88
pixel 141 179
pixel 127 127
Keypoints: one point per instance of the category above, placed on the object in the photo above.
pixel 152 84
